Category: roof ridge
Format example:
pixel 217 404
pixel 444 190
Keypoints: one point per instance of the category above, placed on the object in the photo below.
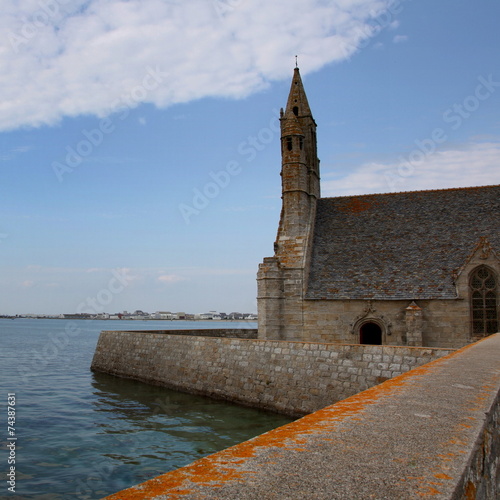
pixel 411 192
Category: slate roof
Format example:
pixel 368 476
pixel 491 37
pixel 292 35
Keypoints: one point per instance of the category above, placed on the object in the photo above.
pixel 399 246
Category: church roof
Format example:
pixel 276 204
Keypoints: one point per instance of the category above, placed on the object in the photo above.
pixel 399 246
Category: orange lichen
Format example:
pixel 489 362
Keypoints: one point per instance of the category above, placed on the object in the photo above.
pixel 442 476
pixel 229 465
pixel 462 427
pixel 470 491
pixel 429 491
pixel 356 205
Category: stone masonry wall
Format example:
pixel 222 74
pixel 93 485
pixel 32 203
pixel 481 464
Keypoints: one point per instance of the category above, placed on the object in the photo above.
pixel 445 323
pixel 238 333
pixel 293 378
pixel 431 432
pixel 481 479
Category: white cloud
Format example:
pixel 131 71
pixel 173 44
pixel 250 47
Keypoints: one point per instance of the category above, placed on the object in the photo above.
pixel 14 151
pixel 476 164
pixel 88 56
pixel 170 278
pixel 22 149
pixel 400 39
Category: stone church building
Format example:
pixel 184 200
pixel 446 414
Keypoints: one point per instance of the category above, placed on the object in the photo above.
pixel 415 268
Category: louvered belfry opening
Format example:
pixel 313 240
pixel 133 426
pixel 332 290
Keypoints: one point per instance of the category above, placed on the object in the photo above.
pixel 484 297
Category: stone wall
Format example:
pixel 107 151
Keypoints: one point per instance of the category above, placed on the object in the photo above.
pixel 293 378
pixel 481 479
pixel 445 323
pixel 238 333
pixel 430 432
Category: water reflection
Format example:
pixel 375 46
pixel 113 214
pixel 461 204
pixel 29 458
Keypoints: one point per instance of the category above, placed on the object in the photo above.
pixel 84 435
pixel 150 423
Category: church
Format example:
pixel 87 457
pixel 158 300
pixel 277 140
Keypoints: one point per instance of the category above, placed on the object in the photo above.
pixel 418 268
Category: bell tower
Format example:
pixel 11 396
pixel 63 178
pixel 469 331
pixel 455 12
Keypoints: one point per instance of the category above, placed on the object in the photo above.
pixel 282 279
pixel 299 173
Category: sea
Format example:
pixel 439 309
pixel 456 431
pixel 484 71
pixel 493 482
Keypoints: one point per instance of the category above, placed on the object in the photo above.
pixel 70 433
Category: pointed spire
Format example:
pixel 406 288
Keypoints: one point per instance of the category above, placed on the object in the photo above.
pixel 297 99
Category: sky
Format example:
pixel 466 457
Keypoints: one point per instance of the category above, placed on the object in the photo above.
pixel 139 141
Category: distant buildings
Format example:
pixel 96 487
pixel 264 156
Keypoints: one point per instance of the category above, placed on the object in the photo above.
pixel 142 315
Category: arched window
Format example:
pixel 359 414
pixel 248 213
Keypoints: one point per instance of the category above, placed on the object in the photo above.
pixel 484 296
pixel 289 143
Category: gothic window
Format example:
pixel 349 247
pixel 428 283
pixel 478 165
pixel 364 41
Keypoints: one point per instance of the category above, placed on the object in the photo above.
pixel 289 144
pixel 296 110
pixel 301 142
pixel 484 296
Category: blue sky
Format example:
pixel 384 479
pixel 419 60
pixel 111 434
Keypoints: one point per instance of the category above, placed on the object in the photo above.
pixel 139 143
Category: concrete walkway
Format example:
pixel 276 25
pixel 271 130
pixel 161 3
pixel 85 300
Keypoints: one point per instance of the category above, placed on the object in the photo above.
pixel 432 432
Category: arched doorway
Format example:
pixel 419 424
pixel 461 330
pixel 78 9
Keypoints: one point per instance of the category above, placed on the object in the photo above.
pixel 370 333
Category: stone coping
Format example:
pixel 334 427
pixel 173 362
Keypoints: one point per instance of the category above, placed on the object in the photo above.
pixel 246 333
pixel 379 348
pixel 431 432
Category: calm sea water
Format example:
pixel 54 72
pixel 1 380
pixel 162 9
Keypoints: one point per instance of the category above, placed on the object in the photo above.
pixel 84 435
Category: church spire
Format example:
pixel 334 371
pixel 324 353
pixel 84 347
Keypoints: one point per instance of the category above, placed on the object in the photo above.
pixel 297 100
pixel 300 164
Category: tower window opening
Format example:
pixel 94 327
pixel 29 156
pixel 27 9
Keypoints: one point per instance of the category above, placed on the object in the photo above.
pixel 289 143
pixel 301 142
pixel 296 110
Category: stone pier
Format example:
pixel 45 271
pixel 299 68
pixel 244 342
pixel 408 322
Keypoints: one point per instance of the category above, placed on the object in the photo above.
pixel 430 432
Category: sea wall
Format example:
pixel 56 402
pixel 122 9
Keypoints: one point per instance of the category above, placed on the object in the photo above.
pixel 236 333
pixel 430 432
pixel 294 378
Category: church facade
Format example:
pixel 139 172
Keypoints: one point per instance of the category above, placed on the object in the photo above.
pixel 415 268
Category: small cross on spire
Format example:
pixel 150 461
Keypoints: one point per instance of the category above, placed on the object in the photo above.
pixel 296 62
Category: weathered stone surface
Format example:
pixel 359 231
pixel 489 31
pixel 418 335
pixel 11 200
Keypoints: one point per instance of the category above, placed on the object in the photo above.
pixel 237 333
pixel 431 432
pixel 233 369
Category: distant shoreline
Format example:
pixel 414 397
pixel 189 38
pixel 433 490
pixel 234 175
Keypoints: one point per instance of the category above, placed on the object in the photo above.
pixel 127 319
